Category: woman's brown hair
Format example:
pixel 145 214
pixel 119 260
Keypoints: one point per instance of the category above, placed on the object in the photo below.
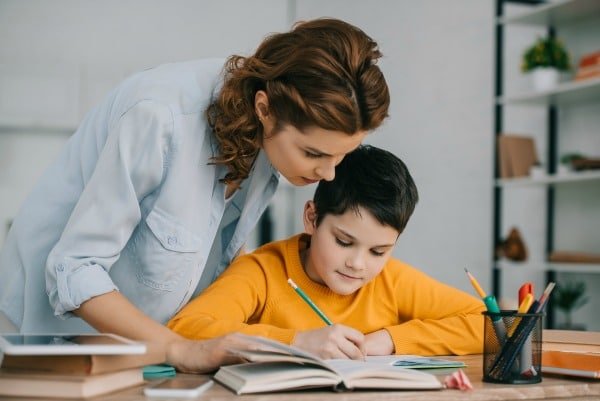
pixel 321 73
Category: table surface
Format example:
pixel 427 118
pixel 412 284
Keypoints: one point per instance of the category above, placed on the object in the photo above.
pixel 551 387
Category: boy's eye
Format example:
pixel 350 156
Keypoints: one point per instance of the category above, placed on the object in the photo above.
pixel 377 253
pixel 342 243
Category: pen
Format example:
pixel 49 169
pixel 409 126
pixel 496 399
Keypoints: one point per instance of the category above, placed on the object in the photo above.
pixel 309 302
pixel 492 307
pixel 544 298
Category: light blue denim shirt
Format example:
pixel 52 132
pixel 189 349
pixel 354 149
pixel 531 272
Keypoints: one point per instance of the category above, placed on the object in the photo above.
pixel 131 204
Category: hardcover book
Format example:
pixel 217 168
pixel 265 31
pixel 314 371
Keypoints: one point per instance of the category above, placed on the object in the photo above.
pixel 279 367
pixel 63 386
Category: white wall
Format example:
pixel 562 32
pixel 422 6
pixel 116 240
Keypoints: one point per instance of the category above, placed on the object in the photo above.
pixel 58 58
pixel 438 63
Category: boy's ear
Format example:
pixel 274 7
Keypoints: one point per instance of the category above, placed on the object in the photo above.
pixel 310 217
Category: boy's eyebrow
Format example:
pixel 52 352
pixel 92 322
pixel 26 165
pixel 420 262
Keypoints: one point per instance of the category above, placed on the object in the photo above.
pixel 352 237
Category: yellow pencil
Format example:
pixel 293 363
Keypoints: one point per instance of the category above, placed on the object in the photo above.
pixel 475 284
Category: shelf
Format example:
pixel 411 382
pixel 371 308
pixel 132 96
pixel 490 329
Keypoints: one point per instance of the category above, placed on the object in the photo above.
pixel 47 128
pixel 593 175
pixel 584 91
pixel 542 266
pixel 559 13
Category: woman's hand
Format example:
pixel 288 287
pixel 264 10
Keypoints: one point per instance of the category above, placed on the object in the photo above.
pixel 203 356
pixel 337 341
pixel 379 343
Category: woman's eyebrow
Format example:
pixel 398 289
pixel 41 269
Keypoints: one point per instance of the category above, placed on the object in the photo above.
pixel 317 151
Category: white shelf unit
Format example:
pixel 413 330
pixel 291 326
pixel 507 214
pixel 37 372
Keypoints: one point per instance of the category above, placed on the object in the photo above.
pixel 553 16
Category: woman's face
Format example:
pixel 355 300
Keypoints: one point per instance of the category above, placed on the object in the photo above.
pixel 303 157
pixel 309 156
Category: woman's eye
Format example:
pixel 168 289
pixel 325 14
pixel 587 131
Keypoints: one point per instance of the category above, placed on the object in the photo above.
pixel 377 253
pixel 342 243
pixel 311 155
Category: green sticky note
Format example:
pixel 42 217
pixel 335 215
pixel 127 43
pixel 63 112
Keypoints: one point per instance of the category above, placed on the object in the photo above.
pixel 153 371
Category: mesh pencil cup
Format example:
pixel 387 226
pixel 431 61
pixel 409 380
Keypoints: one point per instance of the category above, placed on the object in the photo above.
pixel 512 347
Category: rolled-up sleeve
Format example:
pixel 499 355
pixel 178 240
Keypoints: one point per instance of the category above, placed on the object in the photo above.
pixel 130 165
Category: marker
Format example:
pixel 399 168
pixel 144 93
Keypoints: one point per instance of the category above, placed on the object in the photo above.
pixel 492 307
pixel 309 302
pixel 523 308
pixel 525 357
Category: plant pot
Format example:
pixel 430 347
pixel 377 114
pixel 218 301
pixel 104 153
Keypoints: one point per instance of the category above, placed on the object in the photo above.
pixel 544 78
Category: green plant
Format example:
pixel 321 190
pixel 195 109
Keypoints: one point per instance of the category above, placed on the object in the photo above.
pixel 569 297
pixel 567 158
pixel 546 52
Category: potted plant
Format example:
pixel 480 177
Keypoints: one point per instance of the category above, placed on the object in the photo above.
pixel 545 59
pixel 568 298
pixel 566 162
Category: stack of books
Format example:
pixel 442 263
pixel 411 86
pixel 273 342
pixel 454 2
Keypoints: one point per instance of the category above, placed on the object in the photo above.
pixel 571 353
pixel 589 66
pixel 64 371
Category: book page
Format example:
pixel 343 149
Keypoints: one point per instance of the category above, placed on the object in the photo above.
pixel 415 361
pixel 364 374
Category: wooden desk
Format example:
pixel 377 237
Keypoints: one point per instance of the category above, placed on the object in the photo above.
pixel 551 387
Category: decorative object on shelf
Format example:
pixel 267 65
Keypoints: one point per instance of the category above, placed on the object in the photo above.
pixel 537 171
pixel 545 59
pixel 566 160
pixel 577 161
pixel 516 155
pixel 569 297
pixel 513 247
pixel 589 66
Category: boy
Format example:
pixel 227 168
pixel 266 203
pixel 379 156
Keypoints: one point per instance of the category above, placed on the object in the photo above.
pixel 379 305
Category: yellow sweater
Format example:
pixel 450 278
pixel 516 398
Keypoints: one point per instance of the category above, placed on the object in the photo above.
pixel 252 296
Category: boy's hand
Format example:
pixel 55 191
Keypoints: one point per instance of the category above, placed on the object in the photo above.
pixel 379 343
pixel 331 342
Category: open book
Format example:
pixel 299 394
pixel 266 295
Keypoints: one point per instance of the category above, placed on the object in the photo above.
pixel 279 367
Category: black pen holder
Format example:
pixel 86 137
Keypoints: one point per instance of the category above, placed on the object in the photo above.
pixel 512 347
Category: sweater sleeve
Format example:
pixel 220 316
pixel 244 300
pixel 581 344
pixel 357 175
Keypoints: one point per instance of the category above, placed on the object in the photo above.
pixel 436 319
pixel 233 303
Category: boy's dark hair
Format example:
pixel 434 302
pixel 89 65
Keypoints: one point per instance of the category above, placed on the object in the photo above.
pixel 374 179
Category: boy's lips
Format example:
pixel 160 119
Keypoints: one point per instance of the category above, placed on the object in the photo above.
pixel 346 276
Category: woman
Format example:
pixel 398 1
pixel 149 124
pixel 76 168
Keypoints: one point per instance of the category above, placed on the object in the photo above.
pixel 160 186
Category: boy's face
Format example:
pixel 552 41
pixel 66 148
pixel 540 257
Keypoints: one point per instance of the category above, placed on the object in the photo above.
pixel 346 251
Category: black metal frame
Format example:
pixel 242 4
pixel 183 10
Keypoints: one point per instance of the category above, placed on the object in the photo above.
pixel 552 157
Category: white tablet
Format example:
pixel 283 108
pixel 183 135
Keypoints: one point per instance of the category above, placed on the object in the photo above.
pixel 68 344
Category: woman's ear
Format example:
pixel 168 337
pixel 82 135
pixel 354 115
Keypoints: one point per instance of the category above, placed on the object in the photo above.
pixel 310 217
pixel 261 105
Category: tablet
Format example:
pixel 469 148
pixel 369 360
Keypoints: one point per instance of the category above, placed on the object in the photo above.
pixel 68 344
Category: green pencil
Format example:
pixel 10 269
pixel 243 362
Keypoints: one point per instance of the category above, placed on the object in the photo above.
pixel 309 302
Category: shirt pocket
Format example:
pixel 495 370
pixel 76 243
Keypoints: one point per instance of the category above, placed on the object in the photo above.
pixel 165 252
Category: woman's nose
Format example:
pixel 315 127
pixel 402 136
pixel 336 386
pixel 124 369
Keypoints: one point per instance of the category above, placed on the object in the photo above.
pixel 326 170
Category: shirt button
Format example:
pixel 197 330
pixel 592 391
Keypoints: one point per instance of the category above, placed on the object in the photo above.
pixel 172 240
pixel 60 267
